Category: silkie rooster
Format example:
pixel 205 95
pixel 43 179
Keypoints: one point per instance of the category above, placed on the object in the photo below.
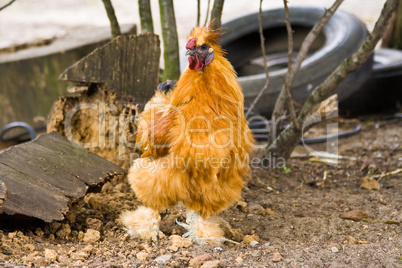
pixel 196 145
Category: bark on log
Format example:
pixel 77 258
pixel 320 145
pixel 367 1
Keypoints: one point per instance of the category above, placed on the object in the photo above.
pixel 45 176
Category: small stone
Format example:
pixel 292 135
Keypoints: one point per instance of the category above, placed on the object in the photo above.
pixel 81 235
pixel 122 187
pixel 254 243
pixel 334 249
pixel 218 249
pixel 81 255
pixel 180 242
pixel 352 240
pixel 50 255
pixel 39 232
pixel 107 187
pixel 355 215
pixel 199 260
pixel 256 209
pixel 185 253
pixel 64 231
pixel 277 257
pixel 94 224
pixel 173 248
pixel 370 184
pixel 247 239
pixel 239 260
pixel 55 226
pixel 88 249
pixel 12 235
pixel 211 264
pixel 241 204
pixel 64 260
pixel 161 235
pixel 163 259
pixel 29 247
pixel 142 255
pixel 195 262
pixel 269 211
pixel 204 257
pixel 91 236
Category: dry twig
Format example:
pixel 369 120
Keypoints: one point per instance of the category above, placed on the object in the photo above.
pixel 6 5
pixel 114 24
pixel 288 82
pixel 216 14
pixel 308 41
pixel 288 138
pixel 147 25
pixel 380 176
pixel 262 40
pixel 206 18
pixel 198 12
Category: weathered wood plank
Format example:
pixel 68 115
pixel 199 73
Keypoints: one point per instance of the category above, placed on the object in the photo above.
pixel 129 65
pixel 45 176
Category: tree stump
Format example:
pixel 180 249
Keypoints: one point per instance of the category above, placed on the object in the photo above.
pixel 113 82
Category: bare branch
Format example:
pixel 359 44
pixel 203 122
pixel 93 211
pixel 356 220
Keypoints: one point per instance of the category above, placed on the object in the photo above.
pixel 308 41
pixel 283 145
pixel 114 24
pixel 206 18
pixel 264 55
pixel 216 14
pixel 288 83
pixel 6 5
pixel 147 25
pixel 170 40
pixel 198 12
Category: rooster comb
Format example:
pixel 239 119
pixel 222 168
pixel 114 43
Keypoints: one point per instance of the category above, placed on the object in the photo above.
pixel 204 35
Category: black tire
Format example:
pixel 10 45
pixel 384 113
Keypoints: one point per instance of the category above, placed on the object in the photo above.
pixel 383 91
pixel 342 36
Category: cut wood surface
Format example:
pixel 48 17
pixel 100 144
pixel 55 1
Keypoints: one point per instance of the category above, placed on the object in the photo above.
pixel 45 176
pixel 3 195
pixel 129 64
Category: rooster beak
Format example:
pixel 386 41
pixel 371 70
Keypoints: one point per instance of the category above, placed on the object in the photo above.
pixel 190 52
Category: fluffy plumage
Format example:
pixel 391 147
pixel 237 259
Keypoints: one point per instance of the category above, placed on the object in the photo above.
pixel 195 139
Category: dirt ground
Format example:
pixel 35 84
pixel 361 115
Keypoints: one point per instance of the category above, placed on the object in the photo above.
pixel 286 218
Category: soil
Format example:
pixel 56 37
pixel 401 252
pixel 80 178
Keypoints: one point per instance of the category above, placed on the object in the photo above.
pixel 286 218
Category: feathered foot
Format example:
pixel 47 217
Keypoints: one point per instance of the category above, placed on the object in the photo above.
pixel 142 223
pixel 202 231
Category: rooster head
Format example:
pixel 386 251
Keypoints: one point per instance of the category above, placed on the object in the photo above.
pixel 201 46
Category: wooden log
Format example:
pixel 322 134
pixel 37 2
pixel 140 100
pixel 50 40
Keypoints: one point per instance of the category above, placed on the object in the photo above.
pixel 45 176
pixel 3 195
pixel 128 65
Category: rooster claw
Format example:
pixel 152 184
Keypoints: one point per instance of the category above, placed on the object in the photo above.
pixel 202 231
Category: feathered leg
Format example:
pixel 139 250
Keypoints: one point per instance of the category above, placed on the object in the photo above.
pixel 142 223
pixel 202 231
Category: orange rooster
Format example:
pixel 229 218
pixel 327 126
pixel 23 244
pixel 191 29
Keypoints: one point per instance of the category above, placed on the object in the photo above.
pixel 196 145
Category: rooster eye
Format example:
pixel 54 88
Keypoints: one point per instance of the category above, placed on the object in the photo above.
pixel 203 47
